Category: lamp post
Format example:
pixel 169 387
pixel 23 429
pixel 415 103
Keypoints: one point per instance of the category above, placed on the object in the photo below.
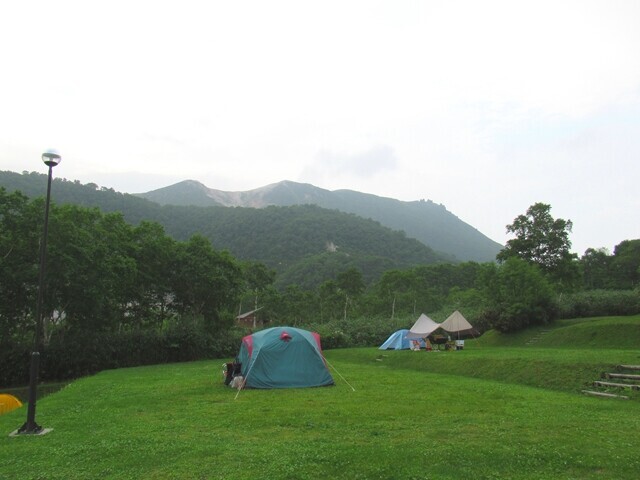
pixel 51 158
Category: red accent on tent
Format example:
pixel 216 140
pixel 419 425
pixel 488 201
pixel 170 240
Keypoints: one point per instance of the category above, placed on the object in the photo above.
pixel 317 337
pixel 248 341
pixel 285 336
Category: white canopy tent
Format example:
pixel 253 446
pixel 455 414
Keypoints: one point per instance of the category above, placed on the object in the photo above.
pixel 422 328
pixel 456 323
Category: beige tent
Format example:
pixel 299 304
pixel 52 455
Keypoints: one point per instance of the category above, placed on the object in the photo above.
pixel 457 323
pixel 422 328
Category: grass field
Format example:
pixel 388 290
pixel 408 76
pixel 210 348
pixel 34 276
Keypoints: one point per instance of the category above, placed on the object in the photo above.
pixel 488 411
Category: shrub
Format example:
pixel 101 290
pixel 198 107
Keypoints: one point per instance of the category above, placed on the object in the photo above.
pixel 597 303
pixel 518 296
pixel 74 355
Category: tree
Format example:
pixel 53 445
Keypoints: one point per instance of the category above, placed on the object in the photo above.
pixel 258 279
pixel 92 272
pixel 626 264
pixel 394 292
pixel 153 252
pixel 205 282
pixel 596 265
pixel 517 296
pixel 352 285
pixel 330 299
pixel 543 241
pixel 20 230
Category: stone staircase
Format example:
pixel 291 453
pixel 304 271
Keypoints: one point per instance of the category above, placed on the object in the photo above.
pixel 536 339
pixel 625 379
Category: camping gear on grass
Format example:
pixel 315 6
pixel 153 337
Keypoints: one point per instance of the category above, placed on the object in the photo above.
pixel 230 371
pixel 398 341
pixel 8 402
pixel 283 357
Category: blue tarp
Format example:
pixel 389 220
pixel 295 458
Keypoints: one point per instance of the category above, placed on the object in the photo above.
pixel 398 341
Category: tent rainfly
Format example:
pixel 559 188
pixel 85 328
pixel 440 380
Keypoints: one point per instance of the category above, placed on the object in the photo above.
pixel 423 327
pixel 399 341
pixel 283 357
pixel 456 323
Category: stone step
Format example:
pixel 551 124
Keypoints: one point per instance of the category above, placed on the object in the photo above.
pixel 628 376
pixel 598 383
pixel 607 395
pixel 628 367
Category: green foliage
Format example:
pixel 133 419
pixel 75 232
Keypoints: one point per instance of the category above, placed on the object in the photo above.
pixel 312 270
pixel 282 238
pixel 426 221
pixel 20 230
pixel 543 241
pixel 206 281
pixel 304 244
pixel 358 332
pixel 103 275
pixel 424 288
pixel 108 278
pixel 518 296
pixel 90 269
pixel 595 265
pixel 619 271
pixel 79 353
pixel 594 303
pixel 626 264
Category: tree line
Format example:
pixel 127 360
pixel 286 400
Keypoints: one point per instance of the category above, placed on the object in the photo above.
pixel 108 279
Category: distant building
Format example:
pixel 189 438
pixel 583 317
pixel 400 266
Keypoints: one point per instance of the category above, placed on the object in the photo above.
pixel 249 319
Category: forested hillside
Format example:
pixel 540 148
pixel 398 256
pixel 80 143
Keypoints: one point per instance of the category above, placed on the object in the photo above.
pixel 426 221
pixel 305 244
pixel 120 292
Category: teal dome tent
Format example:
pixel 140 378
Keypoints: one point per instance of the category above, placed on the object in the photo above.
pixel 283 357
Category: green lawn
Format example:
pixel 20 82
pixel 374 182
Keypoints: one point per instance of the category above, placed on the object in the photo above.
pixel 484 412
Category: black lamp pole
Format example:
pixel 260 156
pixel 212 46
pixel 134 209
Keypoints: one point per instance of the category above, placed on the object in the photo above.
pixel 51 158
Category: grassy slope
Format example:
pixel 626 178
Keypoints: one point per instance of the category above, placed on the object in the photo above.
pixel 554 369
pixel 403 421
pixel 601 332
pixel 568 356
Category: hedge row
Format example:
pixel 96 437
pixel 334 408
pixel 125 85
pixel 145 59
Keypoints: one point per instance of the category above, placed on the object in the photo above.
pixel 597 303
pixel 74 356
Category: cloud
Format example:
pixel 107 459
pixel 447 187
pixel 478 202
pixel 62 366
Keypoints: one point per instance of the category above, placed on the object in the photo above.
pixel 364 165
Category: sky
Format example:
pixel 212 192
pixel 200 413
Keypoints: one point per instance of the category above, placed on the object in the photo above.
pixel 485 107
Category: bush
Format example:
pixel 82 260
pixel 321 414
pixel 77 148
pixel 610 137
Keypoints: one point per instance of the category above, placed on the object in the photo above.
pixel 518 296
pixel 358 332
pixel 74 355
pixel 598 303
pixel 15 359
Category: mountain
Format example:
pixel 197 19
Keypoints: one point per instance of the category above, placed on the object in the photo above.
pixel 304 244
pixel 431 224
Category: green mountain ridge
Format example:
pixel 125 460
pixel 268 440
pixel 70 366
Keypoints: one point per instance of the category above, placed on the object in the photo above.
pixel 430 223
pixel 304 244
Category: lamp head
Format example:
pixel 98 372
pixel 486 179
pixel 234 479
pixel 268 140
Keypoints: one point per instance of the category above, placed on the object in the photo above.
pixel 51 158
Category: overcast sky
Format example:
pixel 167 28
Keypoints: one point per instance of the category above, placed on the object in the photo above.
pixel 483 106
